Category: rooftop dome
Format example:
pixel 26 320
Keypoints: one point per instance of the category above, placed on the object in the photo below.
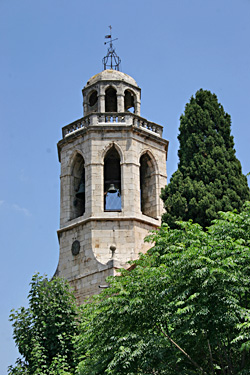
pixel 111 75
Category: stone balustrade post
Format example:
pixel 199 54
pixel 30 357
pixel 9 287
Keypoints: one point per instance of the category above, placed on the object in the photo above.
pixel 93 119
pixel 129 119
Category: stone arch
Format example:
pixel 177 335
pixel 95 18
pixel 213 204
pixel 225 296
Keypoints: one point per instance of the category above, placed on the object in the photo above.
pixel 71 160
pixel 118 149
pixel 112 180
pixel 150 153
pixel 110 99
pixel 148 184
pixel 77 186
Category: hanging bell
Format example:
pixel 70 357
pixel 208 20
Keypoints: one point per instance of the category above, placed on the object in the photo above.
pixel 80 194
pixel 112 189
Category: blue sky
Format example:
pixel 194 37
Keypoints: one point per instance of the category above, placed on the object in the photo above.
pixel 49 49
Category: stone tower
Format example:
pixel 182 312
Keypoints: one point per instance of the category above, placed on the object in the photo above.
pixel 113 166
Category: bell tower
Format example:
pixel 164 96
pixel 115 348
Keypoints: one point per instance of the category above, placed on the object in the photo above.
pixel 113 166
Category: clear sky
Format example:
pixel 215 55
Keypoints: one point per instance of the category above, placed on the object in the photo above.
pixel 49 49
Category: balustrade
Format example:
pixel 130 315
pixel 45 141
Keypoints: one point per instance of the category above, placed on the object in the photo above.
pixel 76 125
pixel 125 118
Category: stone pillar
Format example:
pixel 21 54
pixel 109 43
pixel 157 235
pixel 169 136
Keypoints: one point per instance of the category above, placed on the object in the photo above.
pixel 137 107
pixel 101 103
pixel 96 189
pixel 88 194
pixel 120 102
pixel 131 193
pixel 85 105
pixel 65 199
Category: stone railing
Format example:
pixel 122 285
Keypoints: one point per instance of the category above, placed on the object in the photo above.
pixel 145 124
pixel 82 123
pixel 109 118
pixel 124 118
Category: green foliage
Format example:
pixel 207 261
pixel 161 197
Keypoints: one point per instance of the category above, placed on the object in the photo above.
pixel 45 331
pixel 184 308
pixel 209 178
pixel 181 309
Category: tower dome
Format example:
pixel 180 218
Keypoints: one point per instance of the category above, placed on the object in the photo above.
pixel 111 75
pixel 111 91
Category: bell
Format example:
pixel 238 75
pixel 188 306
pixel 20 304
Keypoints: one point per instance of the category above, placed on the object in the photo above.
pixel 112 189
pixel 80 194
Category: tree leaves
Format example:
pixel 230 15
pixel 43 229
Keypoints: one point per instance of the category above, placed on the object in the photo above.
pixel 44 332
pixel 183 309
pixel 209 177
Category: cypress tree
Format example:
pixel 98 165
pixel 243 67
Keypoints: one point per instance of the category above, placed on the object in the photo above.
pixel 209 176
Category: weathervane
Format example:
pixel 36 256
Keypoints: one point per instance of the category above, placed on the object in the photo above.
pixel 111 60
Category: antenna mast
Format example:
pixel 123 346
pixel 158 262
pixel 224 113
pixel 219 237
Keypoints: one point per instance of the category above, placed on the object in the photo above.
pixel 111 60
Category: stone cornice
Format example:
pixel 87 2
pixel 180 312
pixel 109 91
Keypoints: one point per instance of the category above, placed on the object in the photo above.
pixel 143 219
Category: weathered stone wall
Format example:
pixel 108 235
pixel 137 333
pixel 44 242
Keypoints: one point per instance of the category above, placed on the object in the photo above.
pixel 95 260
pixel 97 230
pixel 93 145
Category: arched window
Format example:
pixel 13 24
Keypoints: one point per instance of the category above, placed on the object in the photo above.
pixel 129 102
pixel 93 101
pixel 78 187
pixel 110 100
pixel 112 181
pixel 148 186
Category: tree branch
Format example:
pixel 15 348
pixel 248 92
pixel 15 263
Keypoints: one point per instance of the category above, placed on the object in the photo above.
pixel 210 355
pixel 179 348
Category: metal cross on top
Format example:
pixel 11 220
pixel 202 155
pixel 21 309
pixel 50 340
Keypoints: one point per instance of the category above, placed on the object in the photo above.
pixel 111 60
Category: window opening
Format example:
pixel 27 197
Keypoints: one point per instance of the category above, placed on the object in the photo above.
pixel 93 101
pixel 110 100
pixel 129 102
pixel 78 182
pixel 112 181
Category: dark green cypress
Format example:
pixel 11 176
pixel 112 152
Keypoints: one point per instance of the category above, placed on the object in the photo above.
pixel 209 176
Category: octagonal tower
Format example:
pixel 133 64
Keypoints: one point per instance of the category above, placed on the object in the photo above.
pixel 113 166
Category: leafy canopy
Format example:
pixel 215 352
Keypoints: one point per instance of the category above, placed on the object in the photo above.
pixel 44 332
pixel 209 178
pixel 183 308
